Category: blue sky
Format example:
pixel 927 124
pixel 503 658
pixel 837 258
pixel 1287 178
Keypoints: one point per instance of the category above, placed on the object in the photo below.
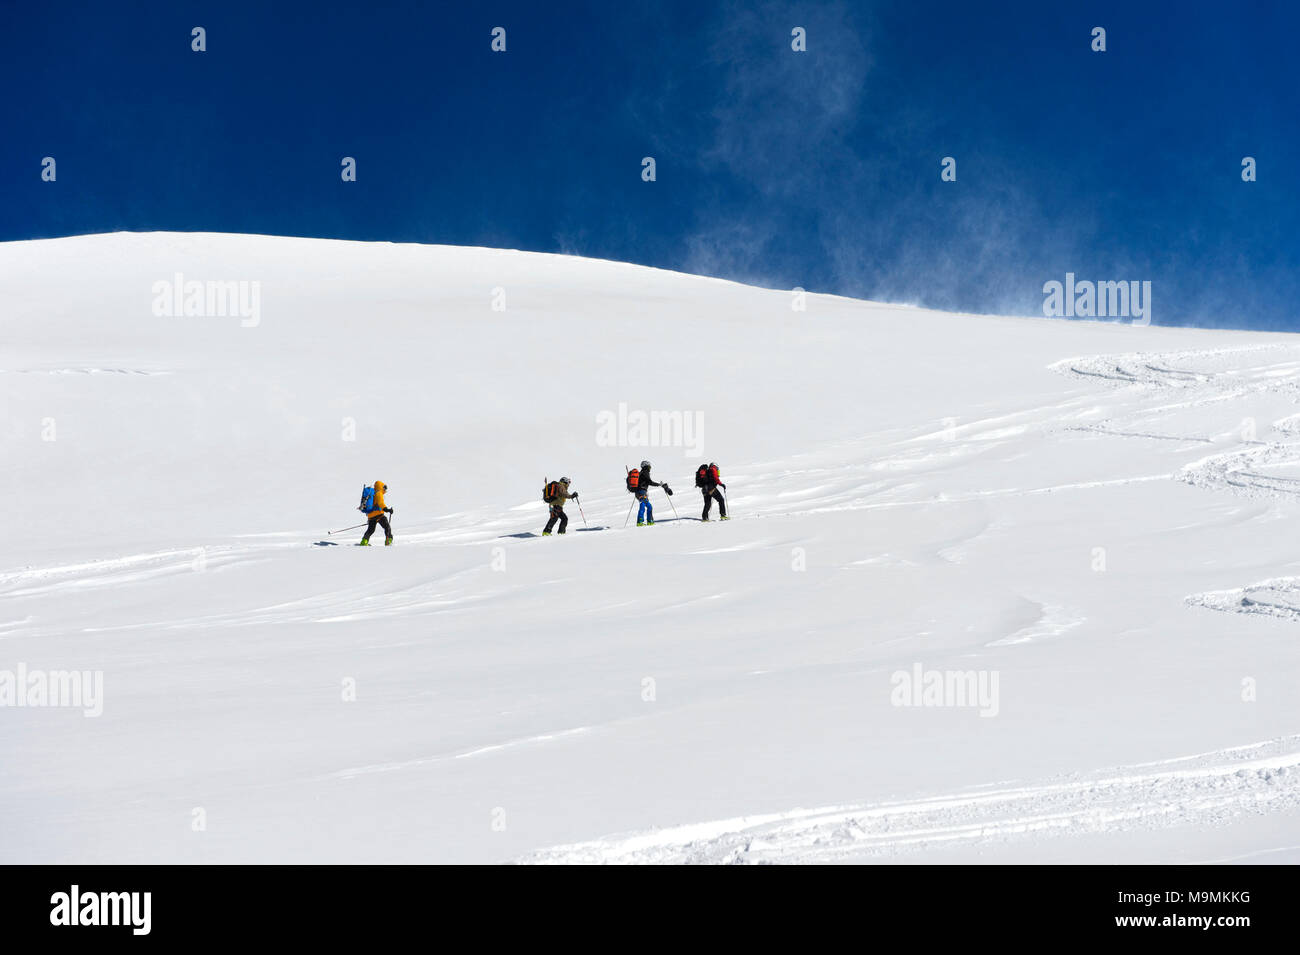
pixel 818 169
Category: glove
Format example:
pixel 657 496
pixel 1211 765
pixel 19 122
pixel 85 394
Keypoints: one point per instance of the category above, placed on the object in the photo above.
pixel 721 485
pixel 574 495
pixel 388 510
pixel 668 490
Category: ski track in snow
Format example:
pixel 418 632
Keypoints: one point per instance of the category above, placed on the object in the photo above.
pixel 117 571
pixel 363 602
pixel 1256 469
pixel 354 771
pixel 1205 377
pixel 84 371
pixel 1277 597
pixel 1206 789
pixel 1218 368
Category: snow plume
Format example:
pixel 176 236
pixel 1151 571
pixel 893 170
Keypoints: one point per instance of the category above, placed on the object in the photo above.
pixel 780 127
pixel 828 160
pixel 827 164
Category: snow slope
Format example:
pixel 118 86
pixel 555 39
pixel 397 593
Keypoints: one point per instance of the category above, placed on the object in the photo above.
pixel 1102 517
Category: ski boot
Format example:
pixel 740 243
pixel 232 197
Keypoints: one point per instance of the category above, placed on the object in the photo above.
pixel 640 523
pixel 546 533
pixel 724 517
pixel 364 543
pixel 388 542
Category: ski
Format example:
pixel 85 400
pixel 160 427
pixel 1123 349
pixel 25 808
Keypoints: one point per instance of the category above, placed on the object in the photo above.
pixel 530 535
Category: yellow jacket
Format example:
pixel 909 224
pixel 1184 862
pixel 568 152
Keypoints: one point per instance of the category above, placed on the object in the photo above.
pixel 564 495
pixel 380 488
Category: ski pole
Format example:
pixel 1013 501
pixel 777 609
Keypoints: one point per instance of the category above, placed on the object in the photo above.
pixel 584 516
pixel 352 528
pixel 670 503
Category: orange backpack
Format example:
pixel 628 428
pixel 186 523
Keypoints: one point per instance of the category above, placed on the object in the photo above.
pixel 633 480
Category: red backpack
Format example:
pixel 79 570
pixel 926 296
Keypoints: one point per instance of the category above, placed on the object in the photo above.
pixel 633 480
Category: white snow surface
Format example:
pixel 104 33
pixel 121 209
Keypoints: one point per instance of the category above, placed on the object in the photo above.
pixel 1102 517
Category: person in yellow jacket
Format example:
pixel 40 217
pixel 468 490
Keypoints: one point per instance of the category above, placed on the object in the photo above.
pixel 377 515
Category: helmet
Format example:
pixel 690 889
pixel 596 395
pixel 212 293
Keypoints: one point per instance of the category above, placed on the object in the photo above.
pixel 645 464
pixel 564 480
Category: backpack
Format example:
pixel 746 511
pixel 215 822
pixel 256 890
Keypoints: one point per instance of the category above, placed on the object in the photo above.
pixel 367 500
pixel 634 480
pixel 714 476
pixel 701 474
pixel 551 493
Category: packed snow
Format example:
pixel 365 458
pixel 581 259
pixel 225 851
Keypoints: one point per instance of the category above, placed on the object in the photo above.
pixel 994 589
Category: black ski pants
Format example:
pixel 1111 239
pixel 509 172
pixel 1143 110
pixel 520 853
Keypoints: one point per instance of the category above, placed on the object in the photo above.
pixel 557 514
pixel 709 497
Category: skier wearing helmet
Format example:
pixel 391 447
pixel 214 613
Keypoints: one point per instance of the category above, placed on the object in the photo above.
pixel 645 515
pixel 555 494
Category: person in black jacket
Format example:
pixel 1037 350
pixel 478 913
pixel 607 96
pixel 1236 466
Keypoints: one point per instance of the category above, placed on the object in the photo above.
pixel 708 481
pixel 645 514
